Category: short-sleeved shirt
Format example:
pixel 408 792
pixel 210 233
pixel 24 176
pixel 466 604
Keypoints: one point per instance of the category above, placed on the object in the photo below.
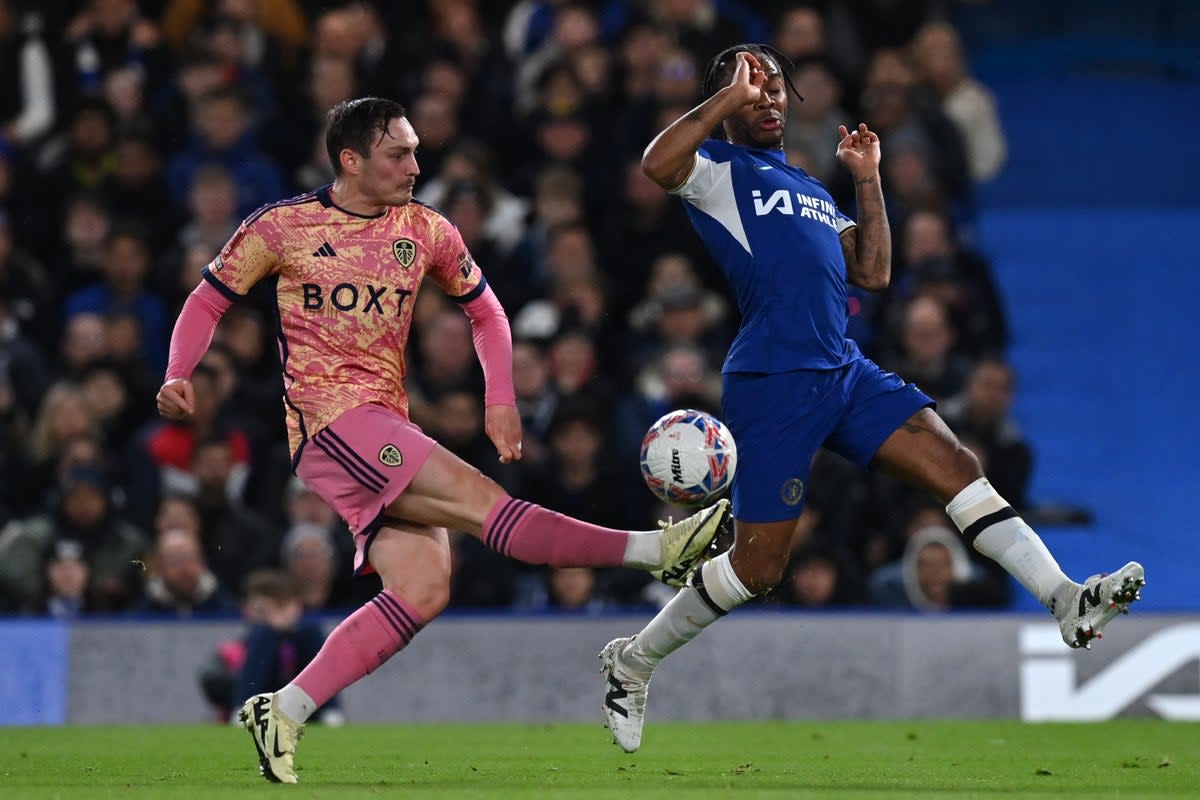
pixel 775 232
pixel 344 287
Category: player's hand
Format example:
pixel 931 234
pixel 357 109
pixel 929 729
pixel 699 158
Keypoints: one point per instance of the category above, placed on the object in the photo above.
pixel 859 150
pixel 748 79
pixel 176 399
pixel 502 424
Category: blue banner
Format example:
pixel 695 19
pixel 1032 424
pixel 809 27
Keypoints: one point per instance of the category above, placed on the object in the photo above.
pixel 33 672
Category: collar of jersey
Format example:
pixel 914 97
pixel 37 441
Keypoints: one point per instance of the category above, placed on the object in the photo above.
pixel 325 195
pixel 769 152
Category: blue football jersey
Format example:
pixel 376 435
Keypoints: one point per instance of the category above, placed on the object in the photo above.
pixel 775 233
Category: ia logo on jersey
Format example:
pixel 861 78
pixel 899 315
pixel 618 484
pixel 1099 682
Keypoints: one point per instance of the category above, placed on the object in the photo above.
pixel 390 456
pixel 405 252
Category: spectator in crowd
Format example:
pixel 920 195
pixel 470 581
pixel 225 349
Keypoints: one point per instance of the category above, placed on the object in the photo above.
pixel 276 28
pixel 982 413
pixel 941 65
pixel 62 416
pixel 812 125
pixel 124 91
pixel 309 558
pixel 237 539
pixel 458 425
pixel 137 186
pixel 647 226
pixel 164 451
pixel 536 398
pixel 25 286
pixel 934 263
pixel 110 402
pixel 222 134
pixel 934 574
pixel 570 590
pixel 470 162
pixel 84 514
pixel 927 354
pixel 27 102
pixel 279 642
pixel 84 342
pixel 891 105
pixel 106 35
pixel 818 577
pixel 126 266
pixel 447 361
pixel 681 377
pixel 23 369
pixel 180 583
pixel 86 223
pixel 81 159
pixel 66 581
pixel 212 210
pixel 557 201
pixel 707 26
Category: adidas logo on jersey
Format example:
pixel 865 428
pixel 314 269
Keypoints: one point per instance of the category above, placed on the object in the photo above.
pixel 325 249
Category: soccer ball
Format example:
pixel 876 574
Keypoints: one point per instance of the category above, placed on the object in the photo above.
pixel 688 458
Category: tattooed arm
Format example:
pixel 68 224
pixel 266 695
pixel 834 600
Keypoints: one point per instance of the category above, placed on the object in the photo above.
pixel 668 159
pixel 867 247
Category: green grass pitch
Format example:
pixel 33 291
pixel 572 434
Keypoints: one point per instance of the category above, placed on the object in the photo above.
pixel 1126 759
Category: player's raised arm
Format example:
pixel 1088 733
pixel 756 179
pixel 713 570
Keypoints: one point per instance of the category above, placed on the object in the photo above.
pixel 669 158
pixel 867 247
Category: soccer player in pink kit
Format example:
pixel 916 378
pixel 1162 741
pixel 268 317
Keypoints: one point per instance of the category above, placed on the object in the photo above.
pixel 345 263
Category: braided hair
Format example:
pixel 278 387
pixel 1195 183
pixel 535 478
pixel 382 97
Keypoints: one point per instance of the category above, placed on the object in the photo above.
pixel 712 82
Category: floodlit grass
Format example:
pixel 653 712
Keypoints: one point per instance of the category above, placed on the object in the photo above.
pixel 1126 759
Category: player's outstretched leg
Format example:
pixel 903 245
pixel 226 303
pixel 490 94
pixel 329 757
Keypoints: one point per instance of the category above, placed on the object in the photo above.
pixel 356 647
pixel 626 665
pixel 1097 601
pixel 625 694
pixel 275 737
pixel 527 532
pixel 995 529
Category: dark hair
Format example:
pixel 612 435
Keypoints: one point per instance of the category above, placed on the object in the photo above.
pixel 130 228
pixel 222 94
pixel 714 72
pixel 357 125
pixel 272 583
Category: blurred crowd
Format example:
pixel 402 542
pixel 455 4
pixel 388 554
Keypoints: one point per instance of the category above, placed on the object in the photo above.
pixel 134 136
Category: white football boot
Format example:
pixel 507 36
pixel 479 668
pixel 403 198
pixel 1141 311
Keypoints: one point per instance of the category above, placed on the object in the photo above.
pixel 624 697
pixel 685 543
pixel 1098 600
pixel 275 736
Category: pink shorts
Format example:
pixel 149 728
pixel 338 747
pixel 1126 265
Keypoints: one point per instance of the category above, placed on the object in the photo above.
pixel 359 464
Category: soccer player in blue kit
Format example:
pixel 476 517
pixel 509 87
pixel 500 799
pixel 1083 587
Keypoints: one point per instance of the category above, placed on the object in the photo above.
pixel 793 382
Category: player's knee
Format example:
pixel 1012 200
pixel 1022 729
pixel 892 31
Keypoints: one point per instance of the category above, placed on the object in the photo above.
pixel 760 572
pixel 428 597
pixel 966 464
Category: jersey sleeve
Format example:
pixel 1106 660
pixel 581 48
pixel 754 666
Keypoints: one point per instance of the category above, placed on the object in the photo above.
pixel 701 180
pixel 841 222
pixel 709 187
pixel 453 268
pixel 249 256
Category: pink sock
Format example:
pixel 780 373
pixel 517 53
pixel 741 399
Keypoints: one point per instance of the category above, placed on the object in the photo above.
pixel 356 647
pixel 535 535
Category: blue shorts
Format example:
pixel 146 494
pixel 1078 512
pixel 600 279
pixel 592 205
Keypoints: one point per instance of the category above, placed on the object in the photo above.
pixel 778 421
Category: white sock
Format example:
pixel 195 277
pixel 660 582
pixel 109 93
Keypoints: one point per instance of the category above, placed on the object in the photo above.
pixel 715 592
pixel 644 550
pixel 991 525
pixel 295 703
